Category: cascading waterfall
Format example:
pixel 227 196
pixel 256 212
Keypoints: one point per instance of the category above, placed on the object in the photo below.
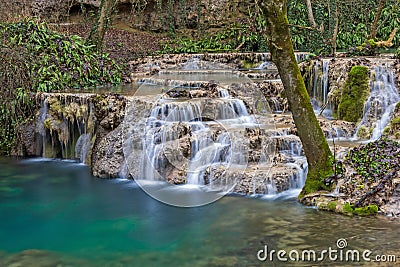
pixel 40 125
pixel 320 88
pixel 204 143
pixel 267 63
pixel 168 124
pixel 264 65
pixel 65 126
pixel 380 104
pixel 205 137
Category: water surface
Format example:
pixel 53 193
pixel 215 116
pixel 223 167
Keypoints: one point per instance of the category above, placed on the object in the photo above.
pixel 55 213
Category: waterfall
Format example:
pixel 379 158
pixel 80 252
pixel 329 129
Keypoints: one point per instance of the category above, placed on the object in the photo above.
pixel 266 62
pixel 40 125
pixel 320 88
pixel 192 64
pixel 209 137
pixel 65 124
pixel 223 93
pixel 176 134
pixel 264 65
pixel 293 149
pixel 380 104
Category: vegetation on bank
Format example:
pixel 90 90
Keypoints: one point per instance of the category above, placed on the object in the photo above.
pixel 237 38
pixel 351 26
pixel 35 59
pixel 375 160
pixel 368 182
pixel 377 165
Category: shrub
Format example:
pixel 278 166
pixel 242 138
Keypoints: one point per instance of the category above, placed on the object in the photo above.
pixel 35 59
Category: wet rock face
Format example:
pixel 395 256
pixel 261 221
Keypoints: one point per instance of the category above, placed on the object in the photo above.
pixel 274 94
pixel 107 151
pixel 109 110
pixel 393 129
pixel 108 155
pixel 30 142
pixel 205 90
pixel 396 69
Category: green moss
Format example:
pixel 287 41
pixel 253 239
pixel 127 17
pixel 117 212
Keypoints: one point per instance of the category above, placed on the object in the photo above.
pixel 367 210
pixel 364 132
pixel 355 93
pixel 55 105
pixel 347 208
pixel 397 135
pixel 386 131
pixel 332 205
pixel 47 124
pixel 397 53
pixel 396 121
pixel 372 43
pixel 247 64
pixel 362 211
pixel 316 182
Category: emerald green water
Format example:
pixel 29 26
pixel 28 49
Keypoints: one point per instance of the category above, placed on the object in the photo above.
pixel 54 213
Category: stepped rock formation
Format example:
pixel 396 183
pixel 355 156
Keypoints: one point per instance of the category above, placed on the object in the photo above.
pixel 168 128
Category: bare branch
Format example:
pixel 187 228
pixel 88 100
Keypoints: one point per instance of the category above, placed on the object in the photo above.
pixel 311 14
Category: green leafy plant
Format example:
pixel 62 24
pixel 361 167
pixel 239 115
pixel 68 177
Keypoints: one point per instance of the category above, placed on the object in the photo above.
pixel 374 160
pixel 397 53
pixel 238 38
pixel 35 59
pixel 61 62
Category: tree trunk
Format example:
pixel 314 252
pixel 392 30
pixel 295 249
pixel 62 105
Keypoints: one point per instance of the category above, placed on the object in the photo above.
pixel 312 137
pixel 335 32
pixel 311 14
pixel 99 29
pixel 374 26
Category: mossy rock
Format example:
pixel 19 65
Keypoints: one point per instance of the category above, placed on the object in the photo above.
pixel 361 211
pixel 328 206
pixel 55 106
pixel 316 181
pixel 247 64
pixel 396 121
pixel 355 93
pixel 364 132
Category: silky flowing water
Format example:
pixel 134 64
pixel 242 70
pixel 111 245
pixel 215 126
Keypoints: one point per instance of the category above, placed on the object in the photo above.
pixel 54 213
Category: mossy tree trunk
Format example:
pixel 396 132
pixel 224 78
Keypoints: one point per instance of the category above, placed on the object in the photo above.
pixel 312 137
pixel 99 29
